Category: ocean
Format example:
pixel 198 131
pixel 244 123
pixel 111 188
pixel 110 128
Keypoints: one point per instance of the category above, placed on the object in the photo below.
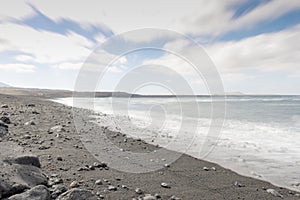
pixel 259 136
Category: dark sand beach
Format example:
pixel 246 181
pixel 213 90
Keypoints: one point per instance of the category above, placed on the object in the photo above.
pixel 60 161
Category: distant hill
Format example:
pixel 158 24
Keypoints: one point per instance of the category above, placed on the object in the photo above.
pixel 4 85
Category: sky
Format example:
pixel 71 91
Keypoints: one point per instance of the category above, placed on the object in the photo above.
pixel 254 45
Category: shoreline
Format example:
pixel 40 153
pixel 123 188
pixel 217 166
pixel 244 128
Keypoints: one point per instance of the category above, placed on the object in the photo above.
pixel 188 177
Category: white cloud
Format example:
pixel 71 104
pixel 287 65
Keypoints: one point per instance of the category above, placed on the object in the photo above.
pixel 19 68
pixel 24 58
pixel 46 47
pixel 71 66
pixel 14 10
pixel 266 52
pixel 199 17
pixel 269 11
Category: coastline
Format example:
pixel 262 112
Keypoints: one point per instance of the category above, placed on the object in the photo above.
pixel 188 177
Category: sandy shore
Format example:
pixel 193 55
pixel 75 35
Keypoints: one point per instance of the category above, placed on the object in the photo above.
pixel 63 156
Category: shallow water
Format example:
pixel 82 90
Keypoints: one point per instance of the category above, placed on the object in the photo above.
pixel 260 136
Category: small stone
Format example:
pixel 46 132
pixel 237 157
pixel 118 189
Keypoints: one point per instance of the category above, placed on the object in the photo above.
pixel 205 168
pixel 157 196
pixel 112 188
pixel 91 167
pixel 74 184
pixel 149 197
pixel 174 198
pixel 54 181
pixel 6 120
pixel 274 193
pixel 44 147
pixel 213 168
pixel 237 184
pixel 138 191
pixel 83 169
pixel 98 182
pixel 32 123
pixel 124 186
pixel 26 137
pixel 165 185
pixel 59 158
pixel 58 190
pixel 57 129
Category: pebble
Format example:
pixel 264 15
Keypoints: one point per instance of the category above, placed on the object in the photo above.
pixel 165 185
pixel 205 168
pixel 59 158
pixel 83 169
pixel 274 193
pixel 112 188
pixel 174 198
pixel 44 147
pixel 149 197
pixel 238 184
pixel 138 191
pixel 32 123
pixel 4 106
pixel 6 120
pixel 74 184
pixel 98 182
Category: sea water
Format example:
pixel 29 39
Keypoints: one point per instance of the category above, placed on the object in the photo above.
pixel 260 135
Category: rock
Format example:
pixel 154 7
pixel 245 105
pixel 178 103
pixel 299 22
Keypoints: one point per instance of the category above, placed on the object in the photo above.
pixel 42 147
pixel 57 129
pixel 238 184
pixel 138 191
pixel 149 197
pixel 58 190
pixel 4 106
pixel 59 158
pixel 98 182
pixel 83 169
pixel 274 193
pixel 54 181
pixel 30 105
pixel 18 174
pixel 32 123
pixel 25 160
pixel 74 184
pixel 112 188
pixel 124 186
pixel 6 120
pixel 3 128
pixel 77 194
pixel 174 198
pixel 36 193
pixel 31 175
pixel 205 168
pixel 100 165
pixel 165 185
